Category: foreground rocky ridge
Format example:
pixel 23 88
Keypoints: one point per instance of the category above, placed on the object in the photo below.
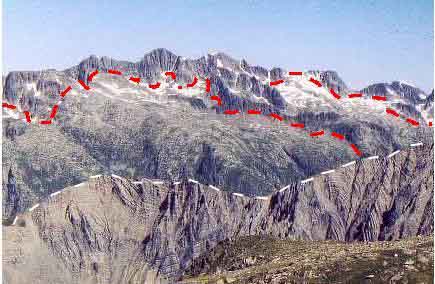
pixel 263 259
pixel 109 228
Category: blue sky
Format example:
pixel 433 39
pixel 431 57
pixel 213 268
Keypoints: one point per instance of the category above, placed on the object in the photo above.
pixel 364 41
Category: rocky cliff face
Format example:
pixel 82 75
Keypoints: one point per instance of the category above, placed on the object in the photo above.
pixel 11 199
pixel 108 229
pixel 120 127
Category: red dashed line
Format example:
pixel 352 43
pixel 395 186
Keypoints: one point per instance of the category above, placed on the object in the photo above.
pixel 207 85
pixel 430 123
pixel 253 111
pixel 231 112
pixel 155 86
pixel 172 74
pixel 379 98
pixel 392 112
pixel 216 98
pixel 5 105
pixel 276 116
pixel 135 79
pixel 355 95
pixel 295 73
pixel 317 133
pixel 277 82
pixel 412 121
pixel 337 135
pixel 297 125
pixel 64 92
pixel 337 96
pixel 54 111
pixel 27 114
pixel 86 87
pixel 195 80
pixel 45 122
pixel 92 75
pixel 355 149
pixel 180 87
pixel 315 82
pixel 114 72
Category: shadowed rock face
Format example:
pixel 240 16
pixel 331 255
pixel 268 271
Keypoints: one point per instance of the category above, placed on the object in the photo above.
pixel 108 229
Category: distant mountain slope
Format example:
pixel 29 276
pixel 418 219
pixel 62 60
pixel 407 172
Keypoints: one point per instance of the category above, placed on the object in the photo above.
pixel 169 133
pixel 114 224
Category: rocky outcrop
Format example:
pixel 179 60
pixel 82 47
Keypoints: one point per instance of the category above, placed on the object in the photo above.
pixel 113 224
pixel 11 199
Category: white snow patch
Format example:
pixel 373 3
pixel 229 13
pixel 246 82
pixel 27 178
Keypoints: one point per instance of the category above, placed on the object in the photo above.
pixel 406 83
pixel 177 182
pixel 115 176
pixel 80 184
pixel 15 221
pixel 158 182
pixel 96 176
pixel 219 63
pixel 238 194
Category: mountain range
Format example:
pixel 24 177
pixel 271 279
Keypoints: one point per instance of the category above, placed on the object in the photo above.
pixel 179 175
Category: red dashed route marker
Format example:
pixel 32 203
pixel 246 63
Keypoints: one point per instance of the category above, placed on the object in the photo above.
pixel 337 135
pixel 135 79
pixel 154 86
pixel 276 116
pixel 355 95
pixel 297 125
pixel 216 98
pixel 317 133
pixel 83 84
pixel 253 111
pixel 295 73
pixel 5 105
pixel 114 72
pixel 172 74
pixel 315 82
pixel 379 98
pixel 53 111
pixel 27 114
pixel 333 93
pixel 190 85
pixel 92 75
pixel 64 92
pixel 392 112
pixel 412 121
pixel 277 82
pixel 231 112
pixel 355 149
